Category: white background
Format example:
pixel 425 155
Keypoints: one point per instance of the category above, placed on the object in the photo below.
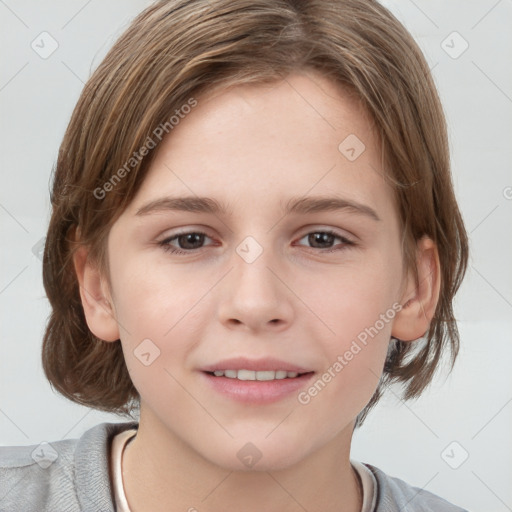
pixel 472 406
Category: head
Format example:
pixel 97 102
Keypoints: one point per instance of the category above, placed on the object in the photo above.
pixel 252 104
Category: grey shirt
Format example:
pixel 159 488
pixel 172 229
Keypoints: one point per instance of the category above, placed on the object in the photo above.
pixel 73 475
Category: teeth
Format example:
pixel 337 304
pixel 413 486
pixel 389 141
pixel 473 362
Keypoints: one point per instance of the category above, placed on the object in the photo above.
pixel 255 375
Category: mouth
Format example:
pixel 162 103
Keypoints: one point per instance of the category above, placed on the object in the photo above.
pixel 257 375
pixel 256 388
pixel 256 381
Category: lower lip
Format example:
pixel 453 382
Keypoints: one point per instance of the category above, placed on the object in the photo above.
pixel 257 391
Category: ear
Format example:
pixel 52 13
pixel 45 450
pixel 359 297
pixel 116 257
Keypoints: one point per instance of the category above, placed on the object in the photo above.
pixel 419 300
pixel 96 298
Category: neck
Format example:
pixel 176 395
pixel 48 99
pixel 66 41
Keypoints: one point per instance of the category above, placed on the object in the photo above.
pixel 171 476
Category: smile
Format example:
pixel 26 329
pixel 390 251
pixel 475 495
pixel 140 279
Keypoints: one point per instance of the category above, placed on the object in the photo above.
pixel 255 375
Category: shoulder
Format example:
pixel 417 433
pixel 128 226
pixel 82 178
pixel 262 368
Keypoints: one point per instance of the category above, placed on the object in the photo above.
pixel 69 474
pixel 395 494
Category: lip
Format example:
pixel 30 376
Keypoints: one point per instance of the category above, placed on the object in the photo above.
pixel 265 364
pixel 256 391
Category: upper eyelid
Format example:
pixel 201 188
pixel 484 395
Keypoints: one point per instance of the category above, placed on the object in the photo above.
pixel 186 232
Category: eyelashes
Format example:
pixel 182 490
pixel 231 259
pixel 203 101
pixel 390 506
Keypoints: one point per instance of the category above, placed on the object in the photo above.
pixel 192 237
pixel 166 244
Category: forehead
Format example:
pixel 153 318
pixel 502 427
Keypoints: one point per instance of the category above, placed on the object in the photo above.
pixel 264 142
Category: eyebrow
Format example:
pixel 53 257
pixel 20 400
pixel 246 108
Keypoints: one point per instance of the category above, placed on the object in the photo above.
pixel 297 205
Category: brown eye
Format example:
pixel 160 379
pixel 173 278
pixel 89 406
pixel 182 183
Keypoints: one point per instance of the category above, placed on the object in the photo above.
pixel 186 242
pixel 325 239
pixel 322 239
pixel 190 240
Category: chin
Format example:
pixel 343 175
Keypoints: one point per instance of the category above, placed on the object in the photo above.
pixel 257 457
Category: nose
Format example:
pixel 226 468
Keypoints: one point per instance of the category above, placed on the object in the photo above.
pixel 255 296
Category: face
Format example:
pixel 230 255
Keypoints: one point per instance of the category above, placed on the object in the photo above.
pixel 270 274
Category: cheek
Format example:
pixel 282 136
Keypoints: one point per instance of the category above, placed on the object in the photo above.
pixel 157 321
pixel 357 350
pixel 161 314
pixel 350 298
pixel 150 299
pixel 356 307
pixel 343 389
pixel 360 317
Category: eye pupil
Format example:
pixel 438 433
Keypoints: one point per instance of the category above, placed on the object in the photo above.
pixel 322 238
pixel 188 239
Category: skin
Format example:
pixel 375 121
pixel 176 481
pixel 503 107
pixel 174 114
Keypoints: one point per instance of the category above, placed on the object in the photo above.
pixel 253 147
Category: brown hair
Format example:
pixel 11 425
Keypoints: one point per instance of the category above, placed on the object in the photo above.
pixel 170 53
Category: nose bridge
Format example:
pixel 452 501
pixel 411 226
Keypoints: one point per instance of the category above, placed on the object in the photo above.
pixel 252 275
pixel 254 295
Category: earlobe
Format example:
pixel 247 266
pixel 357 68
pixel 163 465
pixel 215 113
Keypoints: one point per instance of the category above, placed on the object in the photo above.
pixel 420 299
pixel 95 296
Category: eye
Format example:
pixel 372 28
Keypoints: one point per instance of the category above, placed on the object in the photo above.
pixel 189 241
pixel 325 238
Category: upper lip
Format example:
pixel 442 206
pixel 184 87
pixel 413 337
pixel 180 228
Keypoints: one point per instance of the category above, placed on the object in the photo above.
pixel 266 364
